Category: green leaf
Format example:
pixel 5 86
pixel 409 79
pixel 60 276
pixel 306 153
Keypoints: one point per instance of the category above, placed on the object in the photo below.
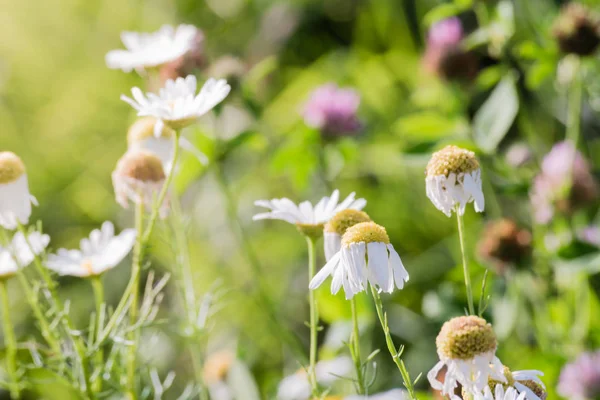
pixel 50 386
pixel 495 117
pixel 429 125
pixel 443 11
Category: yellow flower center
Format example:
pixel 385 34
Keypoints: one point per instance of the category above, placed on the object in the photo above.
pixel 365 232
pixel 311 230
pixel 143 128
pixel 142 166
pixel 451 159
pixel 88 266
pixel 465 337
pixel 344 220
pixel 536 388
pixel 11 167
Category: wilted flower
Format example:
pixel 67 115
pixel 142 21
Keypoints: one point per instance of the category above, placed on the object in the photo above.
pixel 366 256
pixel 467 347
pixel 335 228
pixel 139 177
pixel 15 200
pixel 308 219
pixel 18 253
pixel 141 136
pixel 525 382
pixel 333 110
pixel 503 242
pixel 500 394
pixel 453 179
pixel 187 63
pixel 580 380
pixel 297 386
pixel 177 104
pixel 444 54
pixel 577 30
pixel 98 253
pixel 565 183
pixel 150 50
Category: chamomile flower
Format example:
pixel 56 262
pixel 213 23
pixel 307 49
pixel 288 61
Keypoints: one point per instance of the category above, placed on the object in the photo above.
pixel 453 179
pixel 18 253
pixel 15 200
pixel 97 254
pixel 500 394
pixel 150 50
pixel 297 386
pixel 177 105
pixel 139 178
pixel 366 256
pixel 337 226
pixel 466 346
pixel 308 218
pixel 526 382
pixel 141 136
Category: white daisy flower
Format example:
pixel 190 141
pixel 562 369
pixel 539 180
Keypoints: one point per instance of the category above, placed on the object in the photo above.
pixel 500 394
pixel 335 228
pixel 139 177
pixel 97 254
pixel 297 386
pixel 15 200
pixel 308 219
pixel 529 382
pixel 394 394
pixel 18 253
pixel 150 50
pixel 466 346
pixel 453 179
pixel 177 104
pixel 366 256
pixel 141 136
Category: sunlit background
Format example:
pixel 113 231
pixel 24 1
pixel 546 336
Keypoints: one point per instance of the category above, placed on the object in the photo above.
pixel 60 111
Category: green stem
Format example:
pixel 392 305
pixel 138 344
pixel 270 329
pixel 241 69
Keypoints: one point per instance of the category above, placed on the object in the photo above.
pixel 133 310
pixel 55 301
pixel 99 300
pixel 32 299
pixel 10 343
pixel 468 285
pixel 142 241
pixel 314 316
pixel 574 107
pixel 355 346
pixel 263 297
pixel 391 346
pixel 183 259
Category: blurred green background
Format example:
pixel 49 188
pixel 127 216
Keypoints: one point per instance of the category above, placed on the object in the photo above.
pixel 60 111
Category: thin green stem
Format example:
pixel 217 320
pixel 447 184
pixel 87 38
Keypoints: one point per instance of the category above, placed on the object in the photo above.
pixel 10 343
pixel 391 346
pixel 183 259
pixel 263 297
pixel 133 310
pixel 355 346
pixel 314 316
pixel 163 193
pixel 99 300
pixel 465 263
pixel 143 241
pixel 57 304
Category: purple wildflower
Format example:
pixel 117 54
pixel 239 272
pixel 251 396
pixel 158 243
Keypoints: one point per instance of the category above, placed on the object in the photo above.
pixel 580 380
pixel 565 183
pixel 445 33
pixel 333 110
pixel 590 235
